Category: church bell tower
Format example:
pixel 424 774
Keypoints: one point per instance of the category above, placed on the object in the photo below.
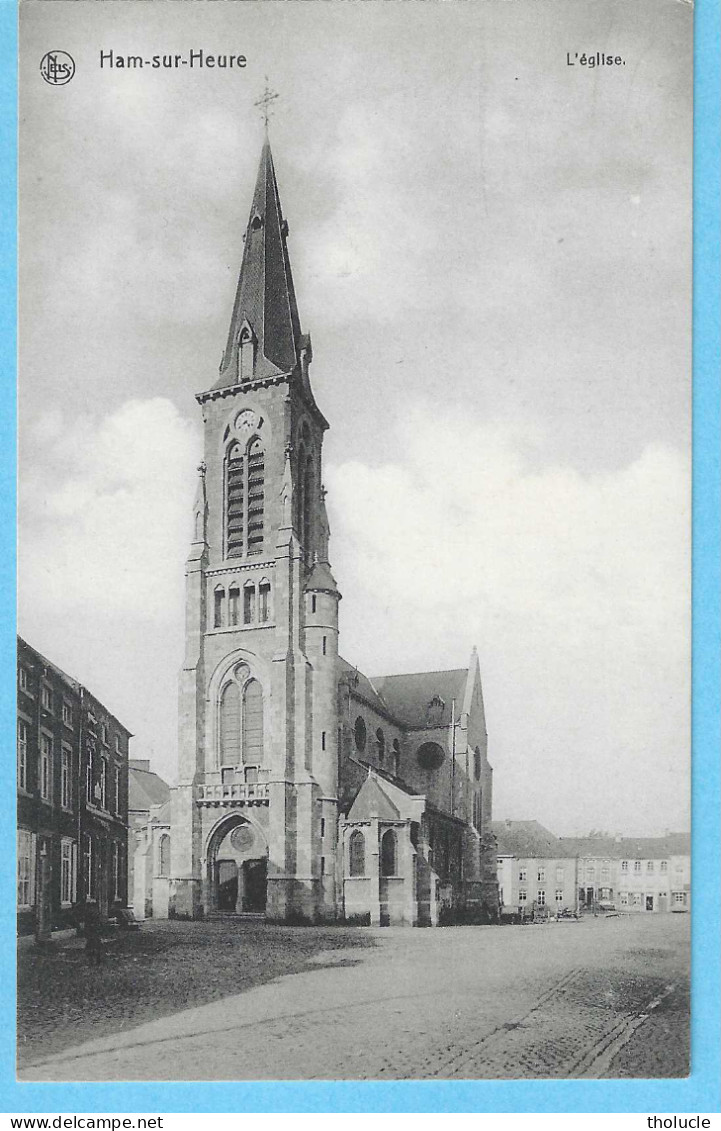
pixel 256 801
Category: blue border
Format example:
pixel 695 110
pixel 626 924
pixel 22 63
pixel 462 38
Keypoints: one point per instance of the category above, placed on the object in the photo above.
pixel 700 1092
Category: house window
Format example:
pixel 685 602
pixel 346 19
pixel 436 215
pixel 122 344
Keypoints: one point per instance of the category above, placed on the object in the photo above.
pixel 248 603
pixel 117 744
pixel 637 865
pixel 47 698
pixel 103 784
pixel 218 602
pixel 679 898
pixel 67 714
pixel 46 762
pixel 115 867
pixel 264 601
pixel 256 482
pixel 67 871
pixel 522 875
pixel 233 606
pixel 104 734
pixel 541 898
pixel 678 867
pixel 253 722
pixel 22 679
pixel 89 775
pixel 22 754
pixel 357 854
pixel 89 866
pixel 26 868
pixel 664 866
pixel 164 855
pixel 396 757
pixel 623 898
pixel 559 895
pixel 559 875
pixel 605 873
pixel 116 789
pixel 649 865
pixel 235 501
pixel 541 875
pixel 624 865
pixel 522 895
pixel 388 853
pixel 65 778
pixel 637 899
pixel 380 746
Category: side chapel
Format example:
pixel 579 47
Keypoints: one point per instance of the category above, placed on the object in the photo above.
pixel 306 790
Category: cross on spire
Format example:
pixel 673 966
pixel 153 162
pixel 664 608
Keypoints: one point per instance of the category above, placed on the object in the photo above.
pixel 264 102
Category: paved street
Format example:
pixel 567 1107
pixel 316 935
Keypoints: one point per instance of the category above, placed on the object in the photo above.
pixel 602 997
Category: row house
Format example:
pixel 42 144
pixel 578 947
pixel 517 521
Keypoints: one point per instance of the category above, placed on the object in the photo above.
pixel 649 874
pixel 72 797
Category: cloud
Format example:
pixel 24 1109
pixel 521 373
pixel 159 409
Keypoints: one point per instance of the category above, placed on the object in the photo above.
pixel 104 512
pixel 575 589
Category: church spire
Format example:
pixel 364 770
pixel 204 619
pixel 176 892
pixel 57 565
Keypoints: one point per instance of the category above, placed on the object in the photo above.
pixel 264 338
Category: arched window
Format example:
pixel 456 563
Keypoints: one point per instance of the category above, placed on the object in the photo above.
pixel 396 757
pixel 360 734
pixel 248 602
pixel 233 605
pixel 219 599
pixel 252 723
pixel 235 500
pixel 357 854
pixel 264 601
pixel 230 725
pixel 477 763
pixel 380 746
pixel 256 488
pixel 388 853
pixel 246 355
pixel 164 855
pixel 307 533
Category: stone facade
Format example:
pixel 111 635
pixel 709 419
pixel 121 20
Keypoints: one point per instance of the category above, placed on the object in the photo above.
pixel 285 750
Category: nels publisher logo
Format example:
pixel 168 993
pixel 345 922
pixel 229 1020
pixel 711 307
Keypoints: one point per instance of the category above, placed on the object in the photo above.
pixel 57 67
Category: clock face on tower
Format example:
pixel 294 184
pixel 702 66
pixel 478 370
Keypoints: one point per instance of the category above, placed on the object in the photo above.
pixel 245 423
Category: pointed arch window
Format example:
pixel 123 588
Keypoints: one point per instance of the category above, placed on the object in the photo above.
pixel 264 601
pixel 256 492
pixel 233 605
pixel 252 723
pixel 388 853
pixel 248 603
pixel 357 854
pixel 307 532
pixel 218 602
pixel 380 746
pixel 164 855
pixel 230 725
pixel 235 501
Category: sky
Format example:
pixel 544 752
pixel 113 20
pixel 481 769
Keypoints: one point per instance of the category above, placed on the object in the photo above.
pixel 492 252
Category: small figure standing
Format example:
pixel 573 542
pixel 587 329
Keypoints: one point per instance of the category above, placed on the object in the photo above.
pixel 93 935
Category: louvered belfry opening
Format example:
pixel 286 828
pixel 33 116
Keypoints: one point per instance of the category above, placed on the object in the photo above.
pixel 245 502
pixel 252 723
pixel 235 486
pixel 256 488
pixel 241 724
pixel 230 725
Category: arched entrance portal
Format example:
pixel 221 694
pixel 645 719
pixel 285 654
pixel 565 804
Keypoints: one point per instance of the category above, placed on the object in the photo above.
pixel 237 866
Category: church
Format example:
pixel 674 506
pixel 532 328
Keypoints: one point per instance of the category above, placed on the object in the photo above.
pixel 307 791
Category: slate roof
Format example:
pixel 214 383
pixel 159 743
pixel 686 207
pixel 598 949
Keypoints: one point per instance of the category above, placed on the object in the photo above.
pixel 408 696
pixel 265 297
pixel 630 847
pixel 145 788
pixel 528 839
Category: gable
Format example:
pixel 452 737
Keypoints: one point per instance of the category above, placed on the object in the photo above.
pixel 371 801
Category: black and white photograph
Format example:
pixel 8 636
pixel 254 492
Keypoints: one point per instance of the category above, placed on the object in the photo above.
pixel 354 570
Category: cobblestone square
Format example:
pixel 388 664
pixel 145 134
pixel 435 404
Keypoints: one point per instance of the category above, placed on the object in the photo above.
pixel 603 997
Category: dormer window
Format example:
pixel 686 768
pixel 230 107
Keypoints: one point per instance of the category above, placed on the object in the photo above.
pixel 246 355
